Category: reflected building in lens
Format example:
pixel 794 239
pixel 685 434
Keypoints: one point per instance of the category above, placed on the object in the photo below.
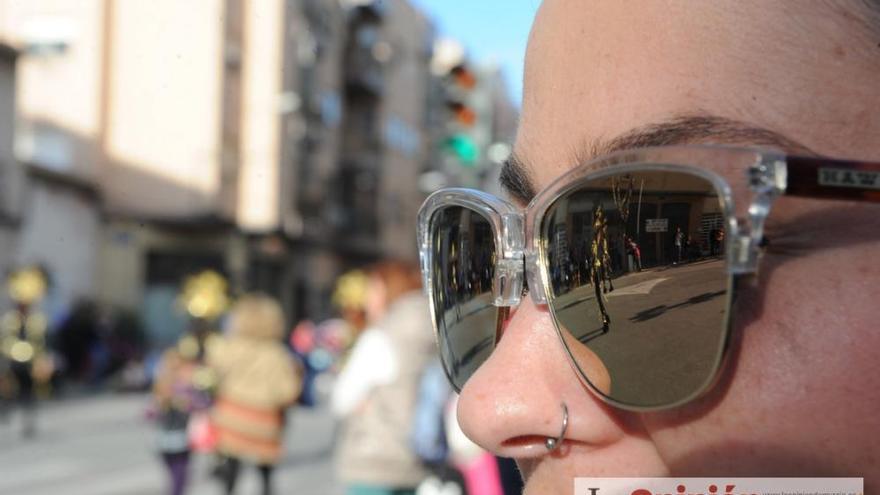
pixel 653 213
pixel 660 213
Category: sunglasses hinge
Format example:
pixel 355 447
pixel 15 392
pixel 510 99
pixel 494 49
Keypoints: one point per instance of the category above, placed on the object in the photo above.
pixel 767 180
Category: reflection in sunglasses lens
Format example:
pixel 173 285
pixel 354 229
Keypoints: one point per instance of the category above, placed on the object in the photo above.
pixel 464 267
pixel 638 283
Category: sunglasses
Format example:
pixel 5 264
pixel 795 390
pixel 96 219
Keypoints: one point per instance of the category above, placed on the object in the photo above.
pixel 635 255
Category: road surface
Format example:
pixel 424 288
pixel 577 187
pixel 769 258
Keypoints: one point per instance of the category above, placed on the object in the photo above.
pixel 103 445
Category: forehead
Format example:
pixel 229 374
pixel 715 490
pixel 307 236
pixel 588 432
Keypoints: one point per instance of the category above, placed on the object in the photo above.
pixel 596 70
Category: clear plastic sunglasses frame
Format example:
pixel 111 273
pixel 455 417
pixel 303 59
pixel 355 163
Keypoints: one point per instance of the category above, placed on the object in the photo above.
pixel 746 180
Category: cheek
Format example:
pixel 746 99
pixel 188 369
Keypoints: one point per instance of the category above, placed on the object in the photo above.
pixel 804 389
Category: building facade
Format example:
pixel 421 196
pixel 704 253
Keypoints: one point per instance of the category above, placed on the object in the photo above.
pixel 280 142
pixel 55 193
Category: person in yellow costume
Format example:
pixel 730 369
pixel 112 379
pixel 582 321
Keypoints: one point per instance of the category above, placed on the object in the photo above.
pixel 600 268
pixel 23 346
pixel 184 383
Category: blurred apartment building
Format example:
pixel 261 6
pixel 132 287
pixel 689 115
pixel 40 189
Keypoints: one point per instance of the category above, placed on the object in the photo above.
pixel 279 142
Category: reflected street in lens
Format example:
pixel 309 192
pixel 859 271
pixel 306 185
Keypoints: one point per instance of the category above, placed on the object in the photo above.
pixel 464 268
pixel 637 278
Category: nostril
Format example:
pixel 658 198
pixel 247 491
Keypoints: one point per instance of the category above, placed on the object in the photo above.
pixel 531 447
pixel 524 441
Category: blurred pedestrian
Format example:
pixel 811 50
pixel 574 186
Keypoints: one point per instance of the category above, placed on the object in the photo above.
pixel 256 381
pixel 182 388
pixel 376 391
pixel 350 297
pixel 184 382
pixel 302 342
pixel 632 248
pixel 428 436
pixel 678 242
pixel 716 240
pixel 692 252
pixel 26 356
pixel 76 338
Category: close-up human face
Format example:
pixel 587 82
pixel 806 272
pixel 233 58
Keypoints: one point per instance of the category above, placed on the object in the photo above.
pixel 799 392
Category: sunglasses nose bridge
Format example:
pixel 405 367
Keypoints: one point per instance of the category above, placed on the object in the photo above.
pixel 517 266
pixel 508 286
pixel 508 282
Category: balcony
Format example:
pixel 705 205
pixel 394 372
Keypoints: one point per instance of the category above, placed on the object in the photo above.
pixel 359 188
pixel 365 55
pixel 364 72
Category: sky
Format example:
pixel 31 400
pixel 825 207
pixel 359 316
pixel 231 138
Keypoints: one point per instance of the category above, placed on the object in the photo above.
pixel 490 30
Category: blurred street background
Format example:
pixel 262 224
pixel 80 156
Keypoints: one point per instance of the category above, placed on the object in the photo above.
pixel 275 144
pixel 103 445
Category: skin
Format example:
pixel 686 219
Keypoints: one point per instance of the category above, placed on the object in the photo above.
pixel 800 393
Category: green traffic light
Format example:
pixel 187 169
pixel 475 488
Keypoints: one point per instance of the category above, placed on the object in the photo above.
pixel 464 147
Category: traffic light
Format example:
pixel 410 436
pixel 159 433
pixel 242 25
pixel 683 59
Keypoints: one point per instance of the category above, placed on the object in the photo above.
pixel 464 147
pixel 463 76
pixel 463 114
pixel 459 142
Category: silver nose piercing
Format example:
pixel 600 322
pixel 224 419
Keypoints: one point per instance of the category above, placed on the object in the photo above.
pixel 553 443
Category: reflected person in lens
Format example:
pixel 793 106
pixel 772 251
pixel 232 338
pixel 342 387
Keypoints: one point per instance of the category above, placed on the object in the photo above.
pixel 801 392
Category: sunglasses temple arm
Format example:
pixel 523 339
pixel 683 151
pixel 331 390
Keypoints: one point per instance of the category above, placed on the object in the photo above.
pixel 809 177
pixel 816 177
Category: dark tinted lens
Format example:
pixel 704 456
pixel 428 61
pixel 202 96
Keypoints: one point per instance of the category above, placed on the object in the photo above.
pixel 463 269
pixel 638 284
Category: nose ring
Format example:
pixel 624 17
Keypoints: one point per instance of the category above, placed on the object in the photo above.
pixel 553 443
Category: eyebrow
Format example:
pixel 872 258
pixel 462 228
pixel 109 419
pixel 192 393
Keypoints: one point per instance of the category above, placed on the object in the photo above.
pixel 517 181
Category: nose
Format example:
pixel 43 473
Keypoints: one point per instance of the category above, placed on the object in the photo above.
pixel 512 403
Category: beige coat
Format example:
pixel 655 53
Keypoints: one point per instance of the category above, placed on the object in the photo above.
pixel 375 445
pixel 257 380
